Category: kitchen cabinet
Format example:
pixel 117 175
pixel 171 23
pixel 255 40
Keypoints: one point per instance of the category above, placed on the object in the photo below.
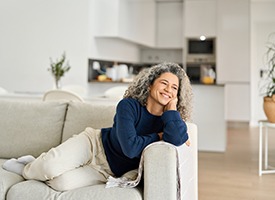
pixel 169 25
pixel 157 55
pixel 233 57
pixel 237 102
pixel 233 41
pixel 208 114
pixel 106 18
pixel 200 18
pixel 133 21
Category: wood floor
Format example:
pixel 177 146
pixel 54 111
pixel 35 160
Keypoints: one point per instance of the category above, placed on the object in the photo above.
pixel 233 175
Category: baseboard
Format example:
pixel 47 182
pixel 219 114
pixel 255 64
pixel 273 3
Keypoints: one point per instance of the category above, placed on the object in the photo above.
pixel 237 124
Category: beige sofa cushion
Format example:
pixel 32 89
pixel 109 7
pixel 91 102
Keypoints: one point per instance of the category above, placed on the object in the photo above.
pixel 7 179
pixel 82 115
pixel 34 190
pixel 30 127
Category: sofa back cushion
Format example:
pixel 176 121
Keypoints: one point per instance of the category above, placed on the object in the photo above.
pixel 82 115
pixel 30 127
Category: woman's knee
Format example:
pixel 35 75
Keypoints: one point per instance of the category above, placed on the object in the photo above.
pixel 47 169
pixel 79 177
pixel 41 169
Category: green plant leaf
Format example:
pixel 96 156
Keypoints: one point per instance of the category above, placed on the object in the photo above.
pixel 59 68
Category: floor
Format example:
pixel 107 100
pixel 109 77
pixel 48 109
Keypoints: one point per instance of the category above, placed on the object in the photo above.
pixel 234 174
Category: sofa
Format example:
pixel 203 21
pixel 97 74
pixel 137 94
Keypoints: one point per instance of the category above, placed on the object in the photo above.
pixel 33 127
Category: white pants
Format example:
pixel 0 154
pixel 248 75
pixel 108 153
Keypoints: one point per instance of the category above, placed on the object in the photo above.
pixel 80 161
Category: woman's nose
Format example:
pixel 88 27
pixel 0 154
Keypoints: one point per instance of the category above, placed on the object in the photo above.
pixel 168 88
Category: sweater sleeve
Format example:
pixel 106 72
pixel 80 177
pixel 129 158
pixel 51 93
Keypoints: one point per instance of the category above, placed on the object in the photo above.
pixel 131 143
pixel 175 129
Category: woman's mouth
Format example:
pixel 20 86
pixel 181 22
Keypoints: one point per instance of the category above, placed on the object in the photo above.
pixel 166 95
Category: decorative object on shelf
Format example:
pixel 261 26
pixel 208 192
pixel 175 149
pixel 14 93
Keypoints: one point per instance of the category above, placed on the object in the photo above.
pixel 268 80
pixel 58 70
pixel 208 74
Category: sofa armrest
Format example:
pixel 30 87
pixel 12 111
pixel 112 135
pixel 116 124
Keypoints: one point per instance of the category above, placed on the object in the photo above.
pixel 160 169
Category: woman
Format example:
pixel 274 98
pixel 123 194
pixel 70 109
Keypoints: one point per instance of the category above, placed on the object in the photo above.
pixel 155 107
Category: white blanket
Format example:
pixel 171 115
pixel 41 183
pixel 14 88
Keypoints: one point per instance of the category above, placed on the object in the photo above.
pixel 132 178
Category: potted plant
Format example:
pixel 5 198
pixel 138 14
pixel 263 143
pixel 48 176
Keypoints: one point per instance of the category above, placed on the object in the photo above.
pixel 58 69
pixel 268 79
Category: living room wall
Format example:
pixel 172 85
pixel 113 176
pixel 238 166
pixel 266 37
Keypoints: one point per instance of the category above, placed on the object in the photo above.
pixel 33 31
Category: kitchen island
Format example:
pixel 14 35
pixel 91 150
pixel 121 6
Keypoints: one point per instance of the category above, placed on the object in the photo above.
pixel 209 115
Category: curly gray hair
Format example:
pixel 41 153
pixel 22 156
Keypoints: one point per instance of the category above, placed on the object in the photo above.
pixel 139 88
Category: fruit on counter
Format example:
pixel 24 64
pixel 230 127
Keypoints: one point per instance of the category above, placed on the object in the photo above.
pixel 207 80
pixel 102 77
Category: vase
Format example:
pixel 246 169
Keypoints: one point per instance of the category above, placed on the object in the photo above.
pixel 269 108
pixel 57 83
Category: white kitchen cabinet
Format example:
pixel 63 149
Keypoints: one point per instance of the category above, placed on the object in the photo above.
pixel 160 55
pixel 233 41
pixel 237 102
pixel 209 115
pixel 169 25
pixel 133 21
pixel 200 17
pixel 106 18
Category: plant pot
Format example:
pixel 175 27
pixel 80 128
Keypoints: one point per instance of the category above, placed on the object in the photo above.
pixel 269 108
pixel 56 83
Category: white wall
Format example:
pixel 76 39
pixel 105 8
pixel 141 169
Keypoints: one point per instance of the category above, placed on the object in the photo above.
pixel 262 24
pixel 32 31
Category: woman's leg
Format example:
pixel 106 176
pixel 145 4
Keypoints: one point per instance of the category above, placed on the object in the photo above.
pixel 71 154
pixel 96 171
pixel 80 177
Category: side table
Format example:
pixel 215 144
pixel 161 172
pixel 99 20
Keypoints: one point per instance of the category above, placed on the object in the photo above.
pixel 264 125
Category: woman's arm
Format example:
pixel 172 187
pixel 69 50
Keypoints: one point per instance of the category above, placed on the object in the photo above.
pixel 175 129
pixel 131 143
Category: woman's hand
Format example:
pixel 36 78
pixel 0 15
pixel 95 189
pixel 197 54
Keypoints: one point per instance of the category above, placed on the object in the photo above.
pixel 172 105
pixel 188 143
pixel 160 135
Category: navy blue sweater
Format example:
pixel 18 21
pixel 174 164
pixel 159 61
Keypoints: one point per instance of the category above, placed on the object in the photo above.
pixel 133 129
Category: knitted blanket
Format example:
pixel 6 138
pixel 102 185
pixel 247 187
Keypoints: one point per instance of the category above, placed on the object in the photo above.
pixel 132 178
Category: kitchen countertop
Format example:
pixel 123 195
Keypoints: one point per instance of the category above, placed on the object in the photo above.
pixel 215 84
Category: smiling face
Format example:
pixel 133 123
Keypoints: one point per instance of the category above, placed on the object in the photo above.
pixel 163 90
